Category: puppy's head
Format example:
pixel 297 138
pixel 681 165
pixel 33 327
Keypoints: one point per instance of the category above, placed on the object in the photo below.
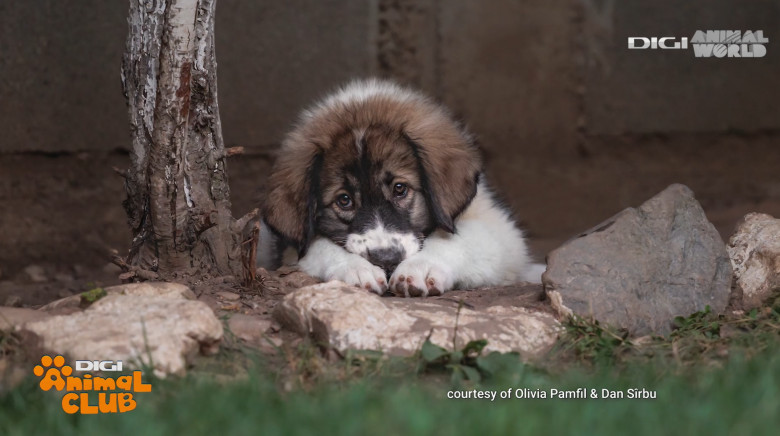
pixel 375 168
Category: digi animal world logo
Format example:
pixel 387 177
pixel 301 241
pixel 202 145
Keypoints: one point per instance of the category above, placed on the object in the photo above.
pixel 709 43
pixel 87 394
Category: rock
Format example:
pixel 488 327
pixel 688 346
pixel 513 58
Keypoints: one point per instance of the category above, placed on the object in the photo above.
pixel 754 249
pixel 643 267
pixel 173 290
pixel 144 324
pixel 64 277
pixel 249 328
pixel 139 289
pixel 292 277
pixel 13 301
pixel 229 296
pixel 36 274
pixel 349 318
pixel 10 317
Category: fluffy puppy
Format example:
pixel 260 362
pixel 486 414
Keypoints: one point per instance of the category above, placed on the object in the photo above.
pixel 379 187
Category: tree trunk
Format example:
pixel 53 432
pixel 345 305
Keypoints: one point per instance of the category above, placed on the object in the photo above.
pixel 178 203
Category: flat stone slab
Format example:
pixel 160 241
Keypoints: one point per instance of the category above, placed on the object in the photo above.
pixel 146 324
pixel 643 267
pixel 754 249
pixel 349 318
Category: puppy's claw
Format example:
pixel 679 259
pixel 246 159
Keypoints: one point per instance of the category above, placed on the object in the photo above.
pixel 418 276
pixel 417 292
pixel 433 291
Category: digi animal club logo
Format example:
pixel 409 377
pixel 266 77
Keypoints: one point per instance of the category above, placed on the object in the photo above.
pixel 708 43
pixel 87 394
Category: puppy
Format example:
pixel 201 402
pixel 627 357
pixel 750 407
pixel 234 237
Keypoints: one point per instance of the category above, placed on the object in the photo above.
pixel 379 187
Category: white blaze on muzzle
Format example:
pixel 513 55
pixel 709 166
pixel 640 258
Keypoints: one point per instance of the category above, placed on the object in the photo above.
pixel 383 247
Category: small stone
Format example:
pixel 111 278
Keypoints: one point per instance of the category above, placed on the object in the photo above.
pixel 63 277
pixel 13 301
pixel 229 296
pixel 10 317
pixel 36 274
pixel 271 344
pixel 230 307
pixel 643 267
pixel 754 249
pixel 249 328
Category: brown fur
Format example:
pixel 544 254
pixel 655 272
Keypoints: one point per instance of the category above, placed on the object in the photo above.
pixel 413 139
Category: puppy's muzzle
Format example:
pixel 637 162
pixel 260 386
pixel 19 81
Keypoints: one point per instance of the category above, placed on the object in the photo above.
pixel 386 258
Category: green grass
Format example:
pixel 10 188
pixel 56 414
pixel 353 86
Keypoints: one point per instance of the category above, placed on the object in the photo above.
pixel 743 397
pixel 715 374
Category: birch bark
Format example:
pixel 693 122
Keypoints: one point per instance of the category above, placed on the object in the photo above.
pixel 178 199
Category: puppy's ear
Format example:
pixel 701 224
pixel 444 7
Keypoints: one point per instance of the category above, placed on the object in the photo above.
pixel 290 208
pixel 449 166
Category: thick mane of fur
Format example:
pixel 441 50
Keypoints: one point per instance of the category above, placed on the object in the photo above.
pixel 444 148
pixel 363 103
pixel 334 195
pixel 359 91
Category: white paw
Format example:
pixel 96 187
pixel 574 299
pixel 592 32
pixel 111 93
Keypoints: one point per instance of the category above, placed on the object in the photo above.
pixel 420 276
pixel 359 272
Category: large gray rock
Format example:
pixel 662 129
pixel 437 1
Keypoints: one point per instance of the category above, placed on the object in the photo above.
pixel 754 249
pixel 643 267
pixel 147 324
pixel 349 318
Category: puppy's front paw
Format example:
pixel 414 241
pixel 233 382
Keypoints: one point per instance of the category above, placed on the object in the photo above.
pixel 419 276
pixel 359 272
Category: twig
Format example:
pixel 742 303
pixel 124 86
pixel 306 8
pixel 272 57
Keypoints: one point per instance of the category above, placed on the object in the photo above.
pixel 131 271
pixel 249 255
pixel 233 151
pixel 455 333
pixel 119 171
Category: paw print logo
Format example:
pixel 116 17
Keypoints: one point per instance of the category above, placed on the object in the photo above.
pixel 53 377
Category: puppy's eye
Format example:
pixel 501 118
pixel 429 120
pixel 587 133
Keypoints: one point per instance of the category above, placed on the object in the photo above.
pixel 344 201
pixel 400 190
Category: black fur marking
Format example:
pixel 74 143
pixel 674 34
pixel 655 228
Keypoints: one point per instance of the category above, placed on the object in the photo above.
pixel 471 197
pixel 279 243
pixel 441 219
pixel 312 203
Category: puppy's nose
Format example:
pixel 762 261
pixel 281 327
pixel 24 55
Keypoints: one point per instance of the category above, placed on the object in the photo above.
pixel 386 258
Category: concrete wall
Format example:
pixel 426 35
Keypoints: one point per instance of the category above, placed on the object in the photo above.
pixel 574 126
pixel 59 75
pixel 644 91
